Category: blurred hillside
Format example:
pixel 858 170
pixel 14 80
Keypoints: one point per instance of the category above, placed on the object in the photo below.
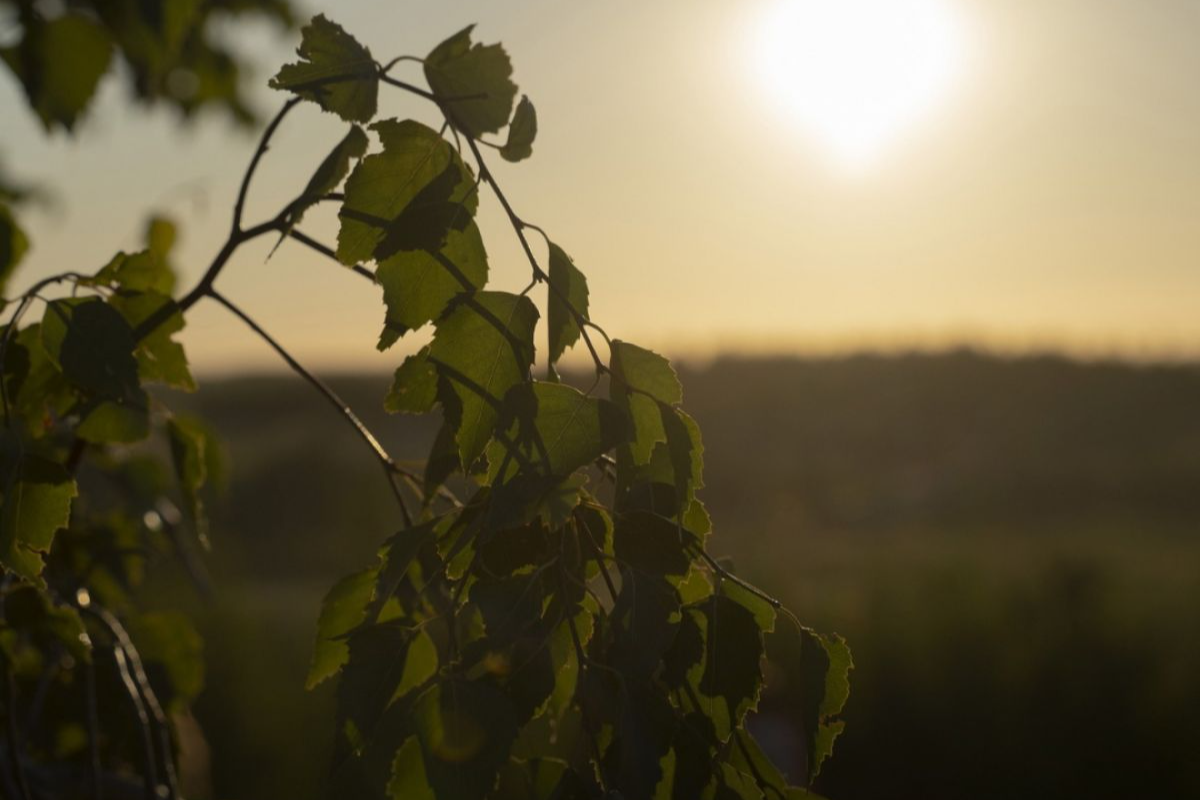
pixel 1009 545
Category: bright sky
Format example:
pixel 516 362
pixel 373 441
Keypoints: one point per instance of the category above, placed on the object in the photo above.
pixel 732 175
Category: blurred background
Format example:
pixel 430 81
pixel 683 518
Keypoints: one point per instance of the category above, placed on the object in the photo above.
pixel 930 270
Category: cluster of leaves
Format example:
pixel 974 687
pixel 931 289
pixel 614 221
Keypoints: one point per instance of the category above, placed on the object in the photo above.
pixel 168 48
pixel 90 704
pixel 545 622
pixel 561 631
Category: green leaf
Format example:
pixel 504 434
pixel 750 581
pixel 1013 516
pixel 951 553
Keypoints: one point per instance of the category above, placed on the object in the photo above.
pixel 335 71
pixel 60 62
pixel 733 659
pixel 484 347
pixel 144 271
pixel 31 611
pixel 160 359
pixel 108 421
pixel 169 645
pixel 414 386
pixel 13 245
pixel 418 284
pixel 652 544
pixel 408 774
pixel 825 665
pixel 645 619
pixel 575 429
pixel 686 451
pixel 97 353
pixel 342 610
pixel 521 132
pixel 416 168
pixel 646 371
pixel 570 291
pixel 161 234
pixel 36 504
pixel 467 729
pixel 193 446
pixel 473 82
pixel 329 175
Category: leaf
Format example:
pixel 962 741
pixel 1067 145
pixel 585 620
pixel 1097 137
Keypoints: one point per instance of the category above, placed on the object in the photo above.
pixel 408 774
pixel 344 607
pixel 652 544
pixel 645 619
pixel 32 612
pixel 825 665
pixel 417 168
pixel 329 175
pixel 466 729
pixel 484 347
pixel 646 371
pixel 60 62
pixel 97 353
pixel 569 291
pixel 443 460
pixel 172 650
pixel 472 82
pixel 160 358
pixel 144 271
pixel 686 451
pixel 335 71
pixel 522 130
pixel 575 429
pixel 414 386
pixel 13 245
pixel 418 285
pixel 36 504
pixel 115 422
pixel 733 659
pixel 160 236
pixel 191 444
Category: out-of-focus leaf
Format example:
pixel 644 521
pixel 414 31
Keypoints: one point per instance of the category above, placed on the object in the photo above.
pixel 36 504
pixel 13 245
pixel 467 729
pixel 171 649
pixel 60 62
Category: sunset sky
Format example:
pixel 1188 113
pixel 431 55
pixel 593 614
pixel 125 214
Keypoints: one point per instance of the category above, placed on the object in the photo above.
pixel 732 175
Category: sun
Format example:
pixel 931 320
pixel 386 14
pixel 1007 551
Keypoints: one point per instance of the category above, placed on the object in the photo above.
pixel 857 74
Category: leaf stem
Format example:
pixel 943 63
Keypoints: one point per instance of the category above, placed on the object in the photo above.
pixel 263 145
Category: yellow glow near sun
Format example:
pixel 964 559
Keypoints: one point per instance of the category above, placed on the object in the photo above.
pixel 857 73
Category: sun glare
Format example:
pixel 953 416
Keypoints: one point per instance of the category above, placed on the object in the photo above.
pixel 856 74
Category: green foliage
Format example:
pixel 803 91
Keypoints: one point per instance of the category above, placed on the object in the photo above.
pixel 166 48
pixel 334 70
pixel 544 621
pixel 474 85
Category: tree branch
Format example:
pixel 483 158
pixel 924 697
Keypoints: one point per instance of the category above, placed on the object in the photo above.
pixel 390 467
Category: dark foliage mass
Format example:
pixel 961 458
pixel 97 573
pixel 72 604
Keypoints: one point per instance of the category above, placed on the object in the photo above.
pixel 1010 544
pixel 543 618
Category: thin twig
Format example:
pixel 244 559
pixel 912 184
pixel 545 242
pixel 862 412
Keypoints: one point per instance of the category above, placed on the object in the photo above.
pixel 390 467
pixel 264 144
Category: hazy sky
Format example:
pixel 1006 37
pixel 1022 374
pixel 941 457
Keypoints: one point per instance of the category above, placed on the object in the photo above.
pixel 1046 192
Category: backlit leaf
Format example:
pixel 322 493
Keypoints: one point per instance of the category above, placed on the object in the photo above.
pixel 342 609
pixel 473 82
pixel 36 504
pixel 414 386
pixel 60 62
pixel 484 347
pixel 334 70
pixel 522 130
pixel 569 291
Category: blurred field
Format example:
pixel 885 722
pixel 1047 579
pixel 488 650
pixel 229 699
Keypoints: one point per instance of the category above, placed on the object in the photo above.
pixel 1012 548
